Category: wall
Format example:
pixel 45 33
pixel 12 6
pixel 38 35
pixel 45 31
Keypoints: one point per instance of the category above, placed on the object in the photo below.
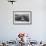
pixel 9 31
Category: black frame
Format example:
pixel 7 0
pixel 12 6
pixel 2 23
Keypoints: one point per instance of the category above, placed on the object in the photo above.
pixel 23 23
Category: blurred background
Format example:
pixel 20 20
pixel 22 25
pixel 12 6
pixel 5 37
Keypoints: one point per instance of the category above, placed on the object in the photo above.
pixel 37 30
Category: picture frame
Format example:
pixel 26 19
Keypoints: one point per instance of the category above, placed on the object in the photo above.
pixel 22 17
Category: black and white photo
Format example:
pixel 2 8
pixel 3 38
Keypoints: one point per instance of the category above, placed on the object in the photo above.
pixel 22 17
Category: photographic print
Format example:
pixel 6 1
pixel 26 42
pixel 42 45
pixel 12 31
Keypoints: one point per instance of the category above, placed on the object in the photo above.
pixel 22 17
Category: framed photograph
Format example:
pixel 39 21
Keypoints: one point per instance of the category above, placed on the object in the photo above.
pixel 22 17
